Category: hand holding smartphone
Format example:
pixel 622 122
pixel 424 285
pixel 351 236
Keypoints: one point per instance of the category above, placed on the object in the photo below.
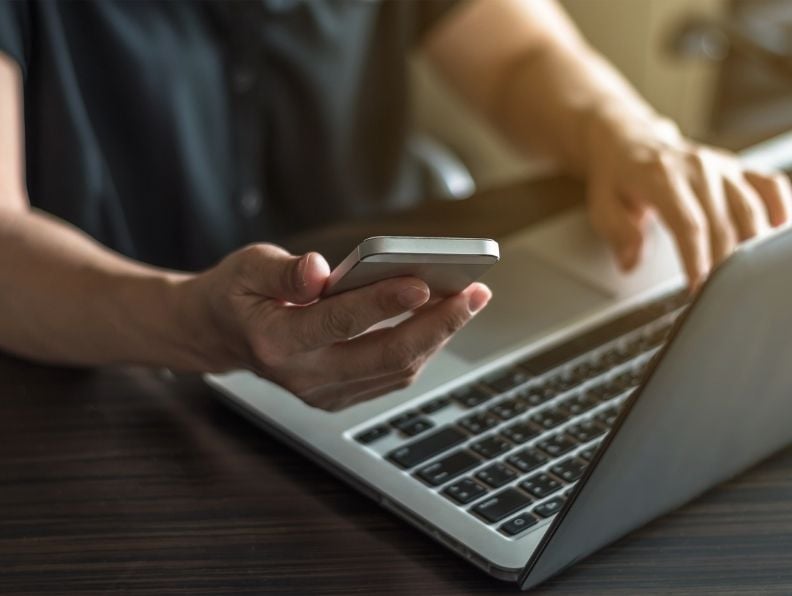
pixel 447 265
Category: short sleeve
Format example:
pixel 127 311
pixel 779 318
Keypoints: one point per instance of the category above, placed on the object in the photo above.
pixel 15 31
pixel 430 12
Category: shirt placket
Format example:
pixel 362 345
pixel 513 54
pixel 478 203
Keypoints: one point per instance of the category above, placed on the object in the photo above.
pixel 247 81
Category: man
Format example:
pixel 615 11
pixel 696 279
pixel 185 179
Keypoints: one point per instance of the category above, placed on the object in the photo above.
pixel 173 133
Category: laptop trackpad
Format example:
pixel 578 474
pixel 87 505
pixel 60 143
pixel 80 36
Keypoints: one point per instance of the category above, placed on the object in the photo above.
pixel 530 298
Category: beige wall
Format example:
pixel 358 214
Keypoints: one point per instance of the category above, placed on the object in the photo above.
pixel 632 34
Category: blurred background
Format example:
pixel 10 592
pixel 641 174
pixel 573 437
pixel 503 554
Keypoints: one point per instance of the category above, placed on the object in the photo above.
pixel 722 69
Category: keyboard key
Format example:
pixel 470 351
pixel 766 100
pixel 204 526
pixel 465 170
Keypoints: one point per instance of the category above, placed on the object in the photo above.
pixel 549 508
pixel 418 451
pixel 564 382
pixel 598 392
pixel 436 405
pixel 373 434
pixel 540 485
pixel 585 431
pixel 518 524
pixel 569 470
pixel 520 432
pixel 403 418
pixel 509 408
pixel 629 350
pixel 491 447
pixel 535 395
pixel 609 390
pixel 557 445
pixel 608 416
pixel 465 491
pixel 658 336
pixel 506 380
pixel 496 475
pixel 549 391
pixel 478 423
pixel 588 454
pixel 645 313
pixel 584 371
pixel 501 505
pixel 448 468
pixel 527 460
pixel 579 403
pixel 415 426
pixel 550 418
pixel 471 396
pixel 623 381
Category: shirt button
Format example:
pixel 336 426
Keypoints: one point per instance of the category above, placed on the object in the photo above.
pixel 250 203
pixel 244 78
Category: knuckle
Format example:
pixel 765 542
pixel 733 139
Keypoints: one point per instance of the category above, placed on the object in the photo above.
pixel 692 225
pixel 657 163
pixel 340 323
pixel 245 261
pixel 453 322
pixel 249 258
pixel 252 252
pixel 699 159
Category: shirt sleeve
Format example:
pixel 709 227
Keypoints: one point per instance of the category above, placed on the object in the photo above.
pixel 15 31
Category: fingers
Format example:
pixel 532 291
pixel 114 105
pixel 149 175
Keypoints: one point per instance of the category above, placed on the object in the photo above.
pixel 682 212
pixel 351 313
pixel 747 209
pixel 404 348
pixel 271 272
pixel 621 225
pixel 775 192
pixel 382 361
pixel 709 187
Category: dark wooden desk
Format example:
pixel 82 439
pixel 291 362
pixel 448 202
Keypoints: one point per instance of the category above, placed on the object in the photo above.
pixel 124 480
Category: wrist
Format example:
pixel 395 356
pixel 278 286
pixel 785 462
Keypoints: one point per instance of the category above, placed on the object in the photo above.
pixel 610 127
pixel 208 341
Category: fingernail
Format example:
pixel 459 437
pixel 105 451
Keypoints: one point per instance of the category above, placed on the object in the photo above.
pixel 302 268
pixel 412 297
pixel 478 300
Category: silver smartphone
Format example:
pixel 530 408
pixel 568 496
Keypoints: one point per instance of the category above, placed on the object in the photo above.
pixel 447 265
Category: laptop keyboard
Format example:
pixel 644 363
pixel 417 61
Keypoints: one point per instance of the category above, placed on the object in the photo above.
pixel 509 447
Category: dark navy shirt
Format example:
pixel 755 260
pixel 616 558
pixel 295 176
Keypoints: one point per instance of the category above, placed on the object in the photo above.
pixel 175 132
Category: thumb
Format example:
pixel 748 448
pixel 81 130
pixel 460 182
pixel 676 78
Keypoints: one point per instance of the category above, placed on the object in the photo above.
pixel 272 272
pixel 619 222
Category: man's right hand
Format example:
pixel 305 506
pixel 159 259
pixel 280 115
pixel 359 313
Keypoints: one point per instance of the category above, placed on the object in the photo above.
pixel 264 305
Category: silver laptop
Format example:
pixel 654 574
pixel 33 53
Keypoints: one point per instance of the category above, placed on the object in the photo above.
pixel 579 405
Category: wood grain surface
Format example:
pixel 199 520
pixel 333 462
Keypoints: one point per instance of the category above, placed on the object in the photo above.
pixel 134 481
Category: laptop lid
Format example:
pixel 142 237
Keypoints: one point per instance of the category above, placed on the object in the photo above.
pixel 716 402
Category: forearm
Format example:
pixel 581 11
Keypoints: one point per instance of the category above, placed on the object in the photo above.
pixel 66 299
pixel 524 66
pixel 562 101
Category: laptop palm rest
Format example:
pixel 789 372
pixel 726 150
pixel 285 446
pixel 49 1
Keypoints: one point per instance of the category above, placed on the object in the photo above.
pixel 554 274
pixel 530 296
